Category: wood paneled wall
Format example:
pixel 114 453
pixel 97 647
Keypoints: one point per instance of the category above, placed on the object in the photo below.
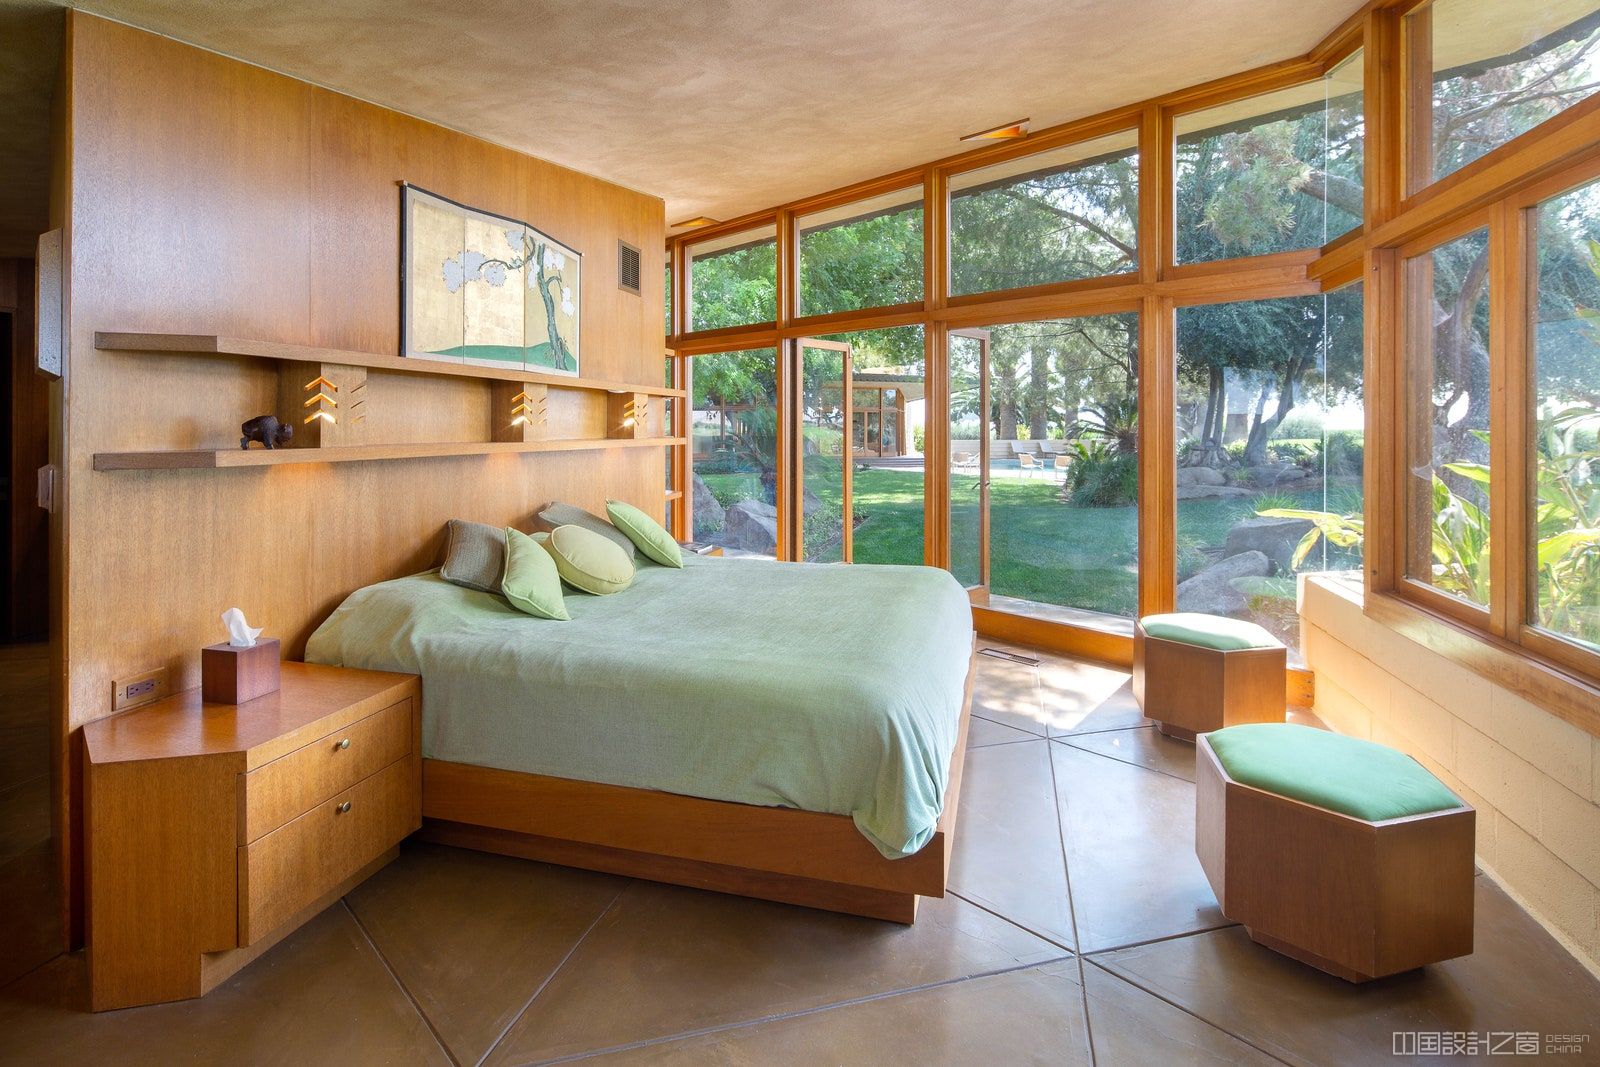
pixel 210 196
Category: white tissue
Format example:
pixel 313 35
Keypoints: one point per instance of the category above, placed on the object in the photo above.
pixel 240 633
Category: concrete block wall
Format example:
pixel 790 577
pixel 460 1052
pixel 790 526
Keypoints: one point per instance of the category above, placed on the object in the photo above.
pixel 1534 778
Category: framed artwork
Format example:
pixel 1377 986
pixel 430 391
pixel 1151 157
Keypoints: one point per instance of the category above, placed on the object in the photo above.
pixel 476 287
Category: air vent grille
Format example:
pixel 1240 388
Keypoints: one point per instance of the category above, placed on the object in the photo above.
pixel 627 267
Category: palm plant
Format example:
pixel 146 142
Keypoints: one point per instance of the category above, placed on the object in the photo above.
pixel 1114 421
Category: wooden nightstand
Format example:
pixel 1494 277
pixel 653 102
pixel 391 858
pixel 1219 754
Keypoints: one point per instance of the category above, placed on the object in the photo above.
pixel 214 830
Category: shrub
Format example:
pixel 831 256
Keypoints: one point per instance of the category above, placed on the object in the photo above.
pixel 1342 452
pixel 1101 477
pixel 918 438
pixel 1299 426
pixel 1293 450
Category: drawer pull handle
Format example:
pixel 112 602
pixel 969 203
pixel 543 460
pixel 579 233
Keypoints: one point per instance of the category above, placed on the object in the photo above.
pixel 343 744
pixel 342 808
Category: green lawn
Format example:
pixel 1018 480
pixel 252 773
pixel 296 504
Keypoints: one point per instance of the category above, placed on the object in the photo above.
pixel 1040 548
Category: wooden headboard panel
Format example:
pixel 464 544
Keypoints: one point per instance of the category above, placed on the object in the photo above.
pixel 209 196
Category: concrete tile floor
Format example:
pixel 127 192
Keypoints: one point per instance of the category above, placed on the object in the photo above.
pixel 1076 831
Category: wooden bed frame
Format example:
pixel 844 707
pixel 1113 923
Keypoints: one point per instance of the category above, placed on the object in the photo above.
pixel 783 854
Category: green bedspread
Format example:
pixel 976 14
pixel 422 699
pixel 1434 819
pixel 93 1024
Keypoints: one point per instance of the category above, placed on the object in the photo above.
pixel 827 688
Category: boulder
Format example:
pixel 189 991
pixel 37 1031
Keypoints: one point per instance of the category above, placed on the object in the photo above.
pixel 752 526
pixel 1274 538
pixel 1211 591
pixel 1200 476
pixel 1196 492
pixel 708 514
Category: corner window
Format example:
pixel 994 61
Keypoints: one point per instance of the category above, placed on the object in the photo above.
pixel 1273 173
pixel 1498 69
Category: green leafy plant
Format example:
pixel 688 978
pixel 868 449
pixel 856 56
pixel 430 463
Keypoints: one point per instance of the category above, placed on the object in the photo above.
pixel 1101 476
pixel 1567 522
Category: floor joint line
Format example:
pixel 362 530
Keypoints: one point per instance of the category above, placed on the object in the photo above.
pixel 557 969
pixel 799 1013
pixel 405 990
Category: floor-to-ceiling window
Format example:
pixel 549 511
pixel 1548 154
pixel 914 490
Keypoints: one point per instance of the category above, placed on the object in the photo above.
pixel 1061 433
pixel 733 444
pixel 888 433
pixel 1269 465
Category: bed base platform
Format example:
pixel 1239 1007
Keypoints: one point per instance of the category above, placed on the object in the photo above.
pixel 784 854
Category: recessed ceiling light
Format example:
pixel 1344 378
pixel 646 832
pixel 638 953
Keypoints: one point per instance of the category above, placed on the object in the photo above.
pixel 1008 132
pixel 699 222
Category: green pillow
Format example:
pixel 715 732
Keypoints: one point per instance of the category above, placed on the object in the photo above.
pixel 531 582
pixel 652 539
pixel 559 514
pixel 589 561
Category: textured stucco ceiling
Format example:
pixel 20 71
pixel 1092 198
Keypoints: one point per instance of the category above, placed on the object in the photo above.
pixel 723 107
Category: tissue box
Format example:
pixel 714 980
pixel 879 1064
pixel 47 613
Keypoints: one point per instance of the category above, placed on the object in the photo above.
pixel 230 675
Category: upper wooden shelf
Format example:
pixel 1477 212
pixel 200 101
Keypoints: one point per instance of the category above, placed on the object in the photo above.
pixel 215 345
pixel 212 458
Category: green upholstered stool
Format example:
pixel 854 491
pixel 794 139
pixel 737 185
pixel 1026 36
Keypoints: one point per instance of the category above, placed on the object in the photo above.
pixel 1193 673
pixel 1341 853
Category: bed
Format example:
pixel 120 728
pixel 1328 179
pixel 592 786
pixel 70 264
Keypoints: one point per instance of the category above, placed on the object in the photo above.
pixel 783 731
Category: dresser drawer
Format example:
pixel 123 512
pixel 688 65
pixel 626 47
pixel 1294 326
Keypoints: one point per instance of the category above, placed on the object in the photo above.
pixel 288 869
pixel 292 785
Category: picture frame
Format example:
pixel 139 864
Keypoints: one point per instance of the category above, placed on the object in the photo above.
pixel 482 288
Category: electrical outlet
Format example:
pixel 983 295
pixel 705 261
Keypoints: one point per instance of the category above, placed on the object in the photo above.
pixel 140 689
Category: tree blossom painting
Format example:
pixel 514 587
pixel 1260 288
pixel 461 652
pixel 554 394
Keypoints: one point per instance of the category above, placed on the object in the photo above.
pixel 480 288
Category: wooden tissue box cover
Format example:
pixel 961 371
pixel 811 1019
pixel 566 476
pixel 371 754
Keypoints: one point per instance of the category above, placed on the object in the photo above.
pixel 231 675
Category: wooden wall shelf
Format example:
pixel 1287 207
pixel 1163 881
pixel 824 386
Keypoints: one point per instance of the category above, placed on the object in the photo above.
pixel 216 345
pixel 213 458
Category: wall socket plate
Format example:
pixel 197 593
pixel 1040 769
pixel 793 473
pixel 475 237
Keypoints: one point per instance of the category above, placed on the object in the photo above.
pixel 139 689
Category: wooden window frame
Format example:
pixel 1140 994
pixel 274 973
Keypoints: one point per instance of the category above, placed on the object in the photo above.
pixel 1501 187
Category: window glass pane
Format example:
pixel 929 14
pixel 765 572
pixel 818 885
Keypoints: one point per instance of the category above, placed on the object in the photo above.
pixel 886 444
pixel 1269 433
pixel 862 255
pixel 1447 414
pixel 1064 467
pixel 1055 216
pixel 1272 173
pixel 667 300
pixel 822 454
pixel 1499 69
pixel 1565 512
pixel 734 439
pixel 733 280
pixel 966 432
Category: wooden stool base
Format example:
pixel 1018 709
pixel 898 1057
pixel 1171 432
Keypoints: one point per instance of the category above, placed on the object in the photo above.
pixel 1310 959
pixel 1189 690
pixel 1356 899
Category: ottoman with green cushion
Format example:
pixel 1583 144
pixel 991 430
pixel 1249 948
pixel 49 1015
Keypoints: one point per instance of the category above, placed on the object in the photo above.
pixel 1341 853
pixel 1193 673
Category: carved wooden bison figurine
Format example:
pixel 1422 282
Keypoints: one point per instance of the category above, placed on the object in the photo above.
pixel 266 429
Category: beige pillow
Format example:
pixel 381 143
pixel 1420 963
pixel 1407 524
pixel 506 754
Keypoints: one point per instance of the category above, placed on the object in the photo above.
pixel 589 561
